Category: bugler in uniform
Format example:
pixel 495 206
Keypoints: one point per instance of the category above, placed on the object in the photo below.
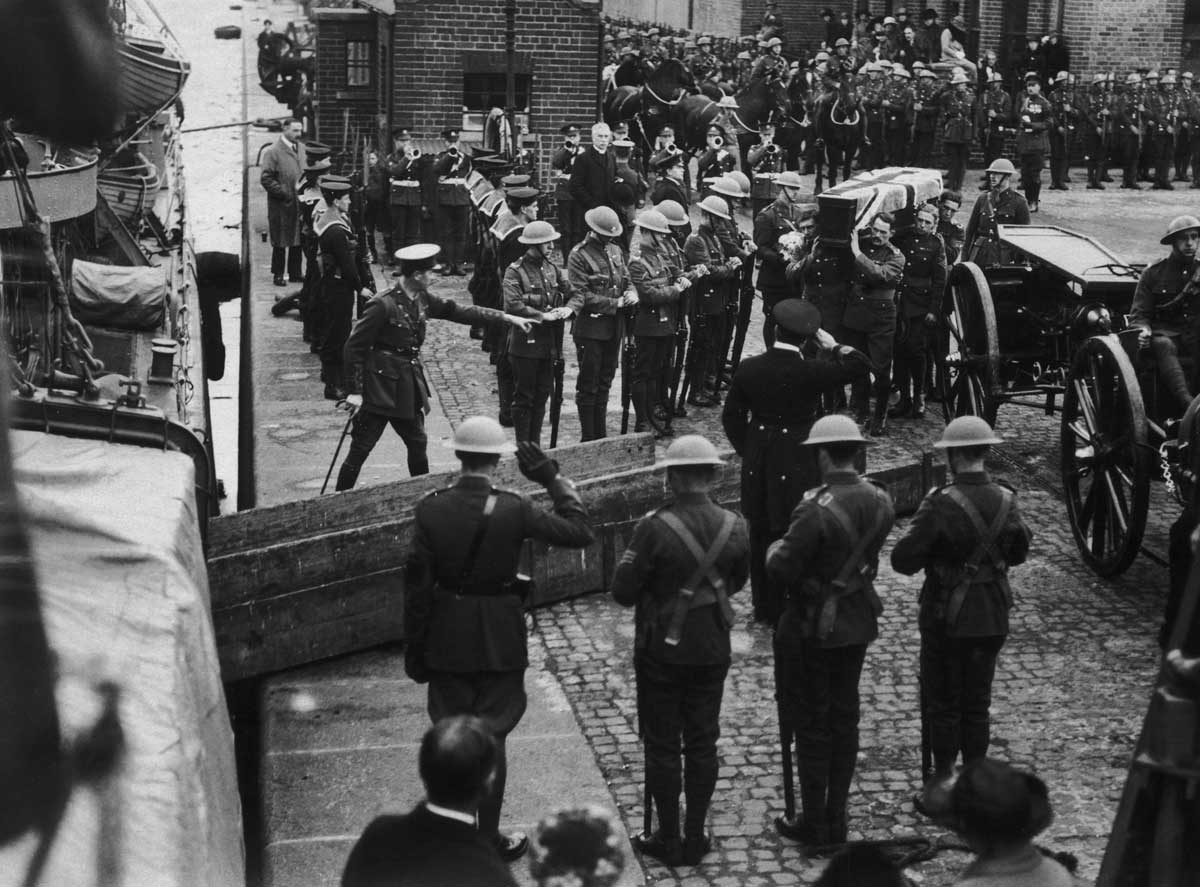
pixel 464 620
pixel 451 168
pixel 682 564
pixel 405 198
pixel 965 536
pixel 827 560
pixel 569 216
pixel 773 401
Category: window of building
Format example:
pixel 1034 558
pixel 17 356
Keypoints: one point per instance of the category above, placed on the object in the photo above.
pixel 358 63
pixel 484 91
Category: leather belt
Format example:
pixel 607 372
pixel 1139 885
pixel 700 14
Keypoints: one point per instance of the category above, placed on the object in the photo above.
pixel 391 349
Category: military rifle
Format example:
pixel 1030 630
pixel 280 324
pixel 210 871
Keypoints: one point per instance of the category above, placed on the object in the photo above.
pixel 628 356
pixel 556 398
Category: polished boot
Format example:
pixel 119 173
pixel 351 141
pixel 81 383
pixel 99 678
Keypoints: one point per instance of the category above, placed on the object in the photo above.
pixel 810 828
pixel 587 430
pixel 879 418
pixel 918 406
pixel 520 421
pixel 600 419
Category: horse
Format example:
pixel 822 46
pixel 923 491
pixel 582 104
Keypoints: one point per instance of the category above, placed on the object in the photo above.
pixel 841 126
pixel 647 107
pixel 794 133
pixel 764 100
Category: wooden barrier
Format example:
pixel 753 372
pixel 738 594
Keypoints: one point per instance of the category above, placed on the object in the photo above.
pixel 306 592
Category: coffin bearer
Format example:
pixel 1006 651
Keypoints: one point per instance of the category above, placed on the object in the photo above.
pixel 596 270
pixel 965 536
pixel 464 621
pixel 282 164
pixel 535 288
pixel 827 561
pixel 773 401
pixel 451 168
pixel 684 561
pixel 1166 307
pixel 784 215
pixel 383 361
pixel 920 300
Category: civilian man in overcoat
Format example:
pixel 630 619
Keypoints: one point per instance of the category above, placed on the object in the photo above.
pixel 282 164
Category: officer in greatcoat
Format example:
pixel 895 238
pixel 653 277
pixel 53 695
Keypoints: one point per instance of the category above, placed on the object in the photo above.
pixel 383 361
pixel 464 620
pixel 965 536
pixel 597 270
pixel 682 565
pixel 1034 118
pixel 773 401
pixel 827 561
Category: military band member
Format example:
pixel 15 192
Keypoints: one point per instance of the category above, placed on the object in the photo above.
pixel 683 563
pixel 716 159
pixel 1166 308
pixel 597 270
pixel 827 560
pixel 998 205
pixel 786 214
pixel 766 163
pixel 926 109
pixel 536 288
pixel 965 536
pixel 383 361
pixel 1095 121
pixel 665 146
pixel 659 286
pixel 958 129
pixel 773 400
pixel 464 620
pixel 708 315
pixel 345 276
pixel 406 203
pixel 995 115
pixel 569 217
pixel 869 322
pixel 920 299
pixel 451 168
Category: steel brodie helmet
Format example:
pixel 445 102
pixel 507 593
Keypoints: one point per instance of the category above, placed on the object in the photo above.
pixel 603 220
pixel 834 429
pixel 1178 224
pixel 481 434
pixel 538 232
pixel 653 220
pixel 968 431
pixel 692 449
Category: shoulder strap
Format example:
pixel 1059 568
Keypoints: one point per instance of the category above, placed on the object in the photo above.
pixel 856 573
pixel 704 571
pixel 985 547
pixel 469 562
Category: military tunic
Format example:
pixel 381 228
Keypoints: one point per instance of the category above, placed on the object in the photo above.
pixel 654 274
pixel 869 323
pixel 781 217
pixel 958 132
pixel 597 272
pixel 995 116
pixel 404 200
pixel 453 204
pixel 963 617
pixel 991 209
pixel 1157 306
pixel 569 216
pixel 920 295
pixel 1033 141
pixel 926 94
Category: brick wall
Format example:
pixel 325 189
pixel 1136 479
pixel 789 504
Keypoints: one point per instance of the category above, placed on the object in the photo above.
pixel 722 18
pixel 342 112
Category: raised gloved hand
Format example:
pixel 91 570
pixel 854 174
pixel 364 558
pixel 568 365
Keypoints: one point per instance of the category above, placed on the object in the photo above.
pixel 535 464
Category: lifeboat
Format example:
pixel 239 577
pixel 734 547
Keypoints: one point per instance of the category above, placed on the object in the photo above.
pixel 63 182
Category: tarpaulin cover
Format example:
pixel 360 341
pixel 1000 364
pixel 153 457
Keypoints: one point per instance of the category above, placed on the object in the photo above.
pixel 125 596
pixel 888 190
pixel 118 296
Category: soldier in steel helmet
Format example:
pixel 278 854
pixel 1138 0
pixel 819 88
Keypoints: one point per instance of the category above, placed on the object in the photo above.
pixel 827 560
pixel 773 401
pixel 1166 308
pixel 998 205
pixel 382 357
pixel 965 536
pixel 785 215
pixel 708 314
pixel 464 620
pixel 597 271
pixel 684 561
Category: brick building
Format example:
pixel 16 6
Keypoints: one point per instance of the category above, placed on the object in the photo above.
pixel 428 64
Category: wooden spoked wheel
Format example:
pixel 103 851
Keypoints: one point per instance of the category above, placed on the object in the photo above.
pixel 969 356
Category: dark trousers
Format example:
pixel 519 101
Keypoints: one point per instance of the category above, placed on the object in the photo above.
pixel 871 156
pixel 1129 159
pixel 597 367
pixel 376 217
pixel 290 256
pixel 1058 158
pixel 820 692
pixel 1196 159
pixel 506 386
pixel 993 147
pixel 498 697
pixel 570 221
pixel 1161 149
pixel 533 379
pixel 452 233
pixel 653 357
pixel 912 345
pixel 878 344
pixel 1182 152
pixel 336 317
pixel 679 709
pixel 708 337
pixel 956 683
pixel 406 225
pixel 956 160
pixel 365 431
pixel 922 149
pixel 1031 174
pixel 767 600
pixel 771 298
pixel 1170 371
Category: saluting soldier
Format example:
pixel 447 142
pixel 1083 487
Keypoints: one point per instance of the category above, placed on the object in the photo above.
pixel 464 621
pixel 920 297
pixel 965 536
pixel 569 216
pixel 659 284
pixel 1166 308
pixel 869 322
pixel 926 110
pixel 995 114
pixel 828 560
pixel 708 316
pixel 596 269
pixel 682 565
pixel 536 288
pixel 773 401
pixel 785 215
pixel 405 200
pixel 1095 121
pixel 383 361
pixel 998 205
pixel 451 168
pixel 958 130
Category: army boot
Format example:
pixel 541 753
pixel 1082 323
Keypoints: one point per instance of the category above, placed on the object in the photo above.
pixel 879 418
pixel 918 406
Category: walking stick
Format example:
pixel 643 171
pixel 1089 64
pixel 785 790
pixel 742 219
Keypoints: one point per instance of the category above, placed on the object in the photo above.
pixel 337 452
